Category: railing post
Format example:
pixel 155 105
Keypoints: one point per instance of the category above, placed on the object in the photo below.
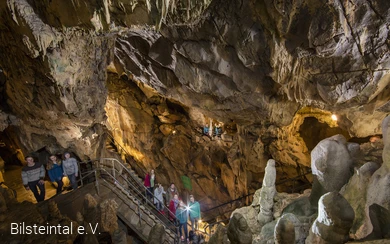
pixel 113 168
pixel 81 175
pixel 97 183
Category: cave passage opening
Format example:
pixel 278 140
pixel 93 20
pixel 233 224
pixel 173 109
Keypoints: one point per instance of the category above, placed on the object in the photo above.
pixel 313 131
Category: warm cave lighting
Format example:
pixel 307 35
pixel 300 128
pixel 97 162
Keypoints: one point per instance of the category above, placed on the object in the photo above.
pixel 200 221
pixel 334 117
pixel 174 132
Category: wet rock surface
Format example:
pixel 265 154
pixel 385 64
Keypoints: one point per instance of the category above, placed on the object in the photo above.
pixel 264 66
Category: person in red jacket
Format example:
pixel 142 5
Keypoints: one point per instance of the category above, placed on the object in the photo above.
pixel 149 182
pixel 173 204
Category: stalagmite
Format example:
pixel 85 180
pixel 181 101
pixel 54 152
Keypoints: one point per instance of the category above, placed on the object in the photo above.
pixel 267 194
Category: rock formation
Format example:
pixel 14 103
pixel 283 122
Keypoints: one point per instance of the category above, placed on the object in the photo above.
pixel 267 194
pixel 105 69
pixel 289 229
pixel 331 166
pixel 335 218
pixel 355 192
pixel 3 207
pixel 153 73
pixel 377 189
pixel 238 230
pixel 219 236
pixel 157 234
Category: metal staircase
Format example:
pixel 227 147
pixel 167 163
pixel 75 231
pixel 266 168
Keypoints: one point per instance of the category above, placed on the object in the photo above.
pixel 115 180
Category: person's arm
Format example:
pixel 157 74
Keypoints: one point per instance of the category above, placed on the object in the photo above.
pixel 63 168
pixel 42 175
pixel 199 210
pixel 76 171
pixel 25 180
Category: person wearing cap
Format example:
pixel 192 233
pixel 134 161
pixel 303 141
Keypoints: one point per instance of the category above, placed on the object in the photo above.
pixel 194 213
pixel 33 175
pixel 71 169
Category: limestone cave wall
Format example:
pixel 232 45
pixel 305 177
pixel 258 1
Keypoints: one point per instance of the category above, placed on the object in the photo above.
pixel 152 76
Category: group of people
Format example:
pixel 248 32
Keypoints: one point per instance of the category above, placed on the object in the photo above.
pixel 33 174
pixel 217 131
pixel 179 212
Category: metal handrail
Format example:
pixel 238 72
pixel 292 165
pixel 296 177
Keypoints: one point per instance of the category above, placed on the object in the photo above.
pixel 135 188
pixel 127 153
pixel 215 223
pixel 143 171
pixel 250 194
pixel 114 174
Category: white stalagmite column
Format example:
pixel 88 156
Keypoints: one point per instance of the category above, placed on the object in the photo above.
pixel 267 194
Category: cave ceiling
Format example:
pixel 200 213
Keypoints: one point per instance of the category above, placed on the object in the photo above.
pixel 69 67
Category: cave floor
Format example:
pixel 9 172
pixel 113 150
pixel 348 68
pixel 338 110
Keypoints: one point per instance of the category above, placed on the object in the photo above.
pixel 13 180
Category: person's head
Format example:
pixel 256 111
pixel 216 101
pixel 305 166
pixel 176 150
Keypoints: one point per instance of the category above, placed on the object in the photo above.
pixel 192 199
pixel 176 197
pixel 67 155
pixel 181 204
pixel 29 160
pixel 53 158
pixel 172 185
pixel 152 172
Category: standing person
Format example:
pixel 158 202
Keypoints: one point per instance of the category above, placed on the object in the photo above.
pixel 181 216
pixel 172 190
pixel 194 213
pixel 71 169
pixel 158 198
pixel 32 175
pixel 148 185
pixel 173 204
pixel 55 171
pixel 152 183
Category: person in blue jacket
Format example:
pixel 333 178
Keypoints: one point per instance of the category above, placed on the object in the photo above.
pixel 55 171
pixel 194 213
pixel 182 218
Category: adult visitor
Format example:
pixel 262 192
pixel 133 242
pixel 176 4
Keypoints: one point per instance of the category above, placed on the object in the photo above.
pixel 33 175
pixel 71 169
pixel 55 171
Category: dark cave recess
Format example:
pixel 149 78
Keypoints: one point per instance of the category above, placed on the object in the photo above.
pixel 313 131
